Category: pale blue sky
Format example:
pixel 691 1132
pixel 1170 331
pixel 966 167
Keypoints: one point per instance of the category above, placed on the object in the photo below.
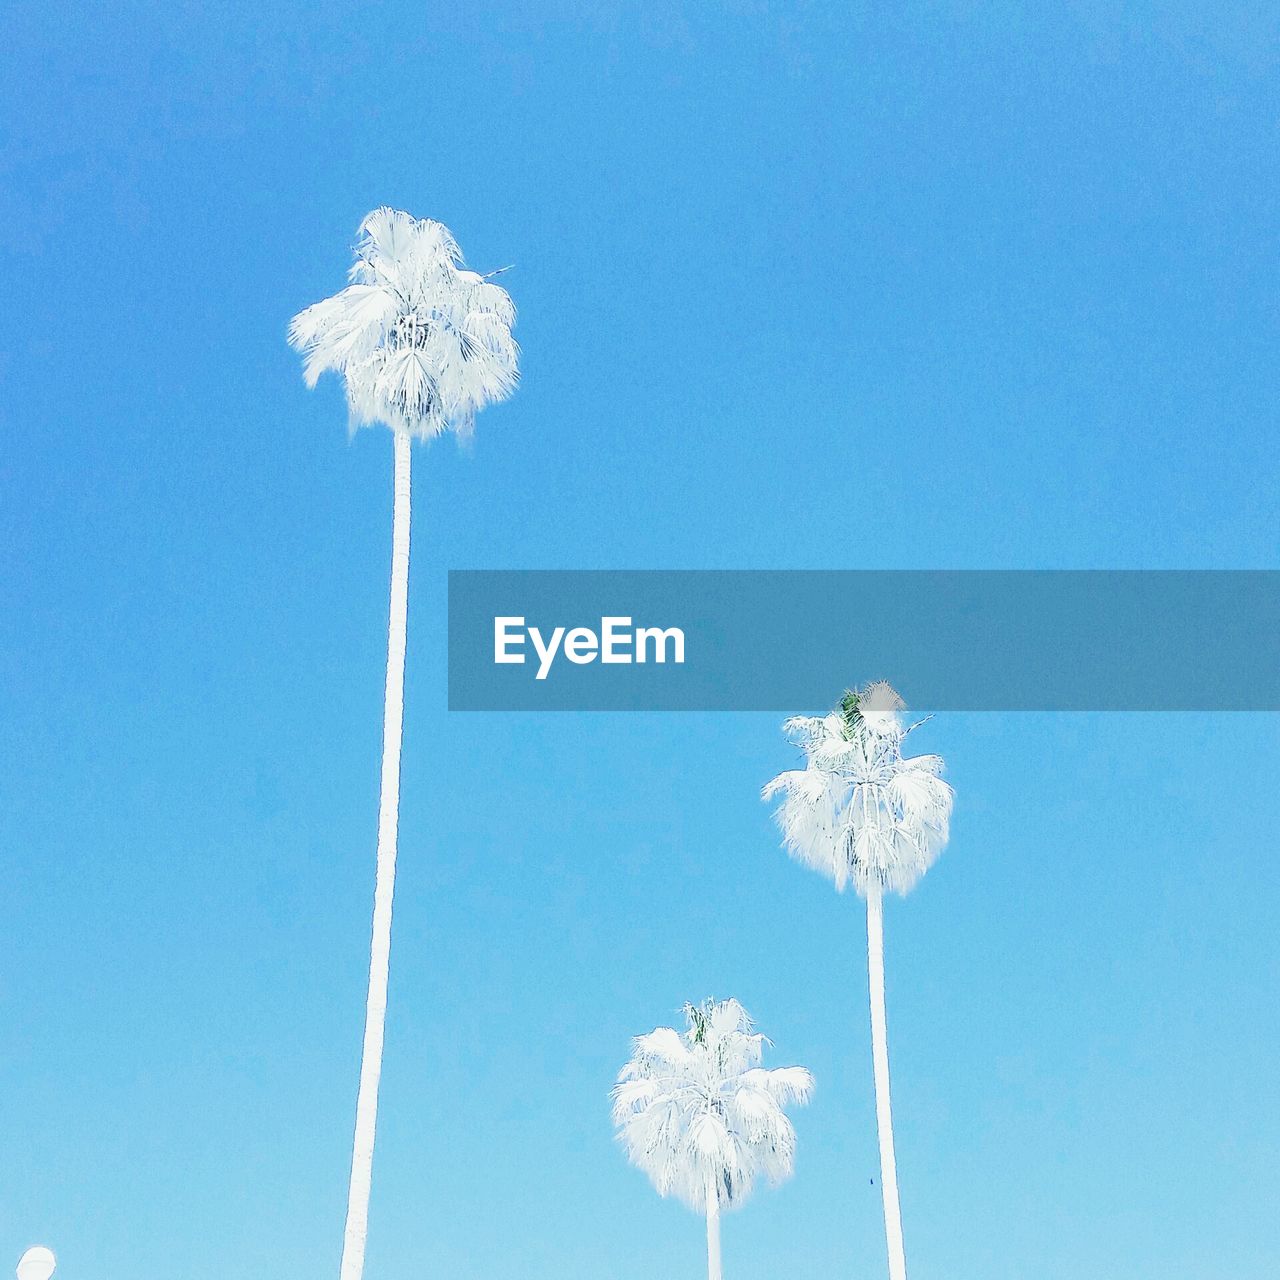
pixel 800 285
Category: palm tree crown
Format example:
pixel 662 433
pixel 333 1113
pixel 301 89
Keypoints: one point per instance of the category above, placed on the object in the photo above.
pixel 698 1113
pixel 859 810
pixel 422 343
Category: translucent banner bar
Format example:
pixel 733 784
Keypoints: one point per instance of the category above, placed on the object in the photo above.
pixel 763 640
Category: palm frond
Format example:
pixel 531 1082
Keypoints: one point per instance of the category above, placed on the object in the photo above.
pixel 697 1112
pixel 859 811
pixel 422 343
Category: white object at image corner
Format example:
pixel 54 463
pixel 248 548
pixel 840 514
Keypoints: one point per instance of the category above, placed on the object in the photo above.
pixel 36 1264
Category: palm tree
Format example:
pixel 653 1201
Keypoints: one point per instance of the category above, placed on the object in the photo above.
pixel 702 1118
pixel 864 815
pixel 422 345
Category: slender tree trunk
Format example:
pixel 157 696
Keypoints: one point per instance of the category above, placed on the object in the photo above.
pixel 388 815
pixel 880 1062
pixel 713 1232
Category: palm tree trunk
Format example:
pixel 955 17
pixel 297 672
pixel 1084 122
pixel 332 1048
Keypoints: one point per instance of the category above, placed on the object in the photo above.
pixel 713 1232
pixel 880 1062
pixel 388 816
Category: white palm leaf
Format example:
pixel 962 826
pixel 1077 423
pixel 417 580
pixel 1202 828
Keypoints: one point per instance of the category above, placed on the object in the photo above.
pixel 699 1115
pixel 860 812
pixel 422 343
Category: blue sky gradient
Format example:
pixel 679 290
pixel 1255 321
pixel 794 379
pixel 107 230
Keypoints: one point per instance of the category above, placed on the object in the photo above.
pixel 800 286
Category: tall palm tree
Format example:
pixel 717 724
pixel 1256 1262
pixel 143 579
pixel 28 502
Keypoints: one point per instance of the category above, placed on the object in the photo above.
pixel 422 345
pixel 864 815
pixel 702 1118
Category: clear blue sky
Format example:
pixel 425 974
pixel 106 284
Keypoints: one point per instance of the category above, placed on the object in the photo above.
pixel 800 285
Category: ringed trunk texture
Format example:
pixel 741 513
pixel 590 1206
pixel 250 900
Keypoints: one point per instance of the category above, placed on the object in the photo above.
pixel 353 1244
pixel 880 1063
pixel 713 1232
